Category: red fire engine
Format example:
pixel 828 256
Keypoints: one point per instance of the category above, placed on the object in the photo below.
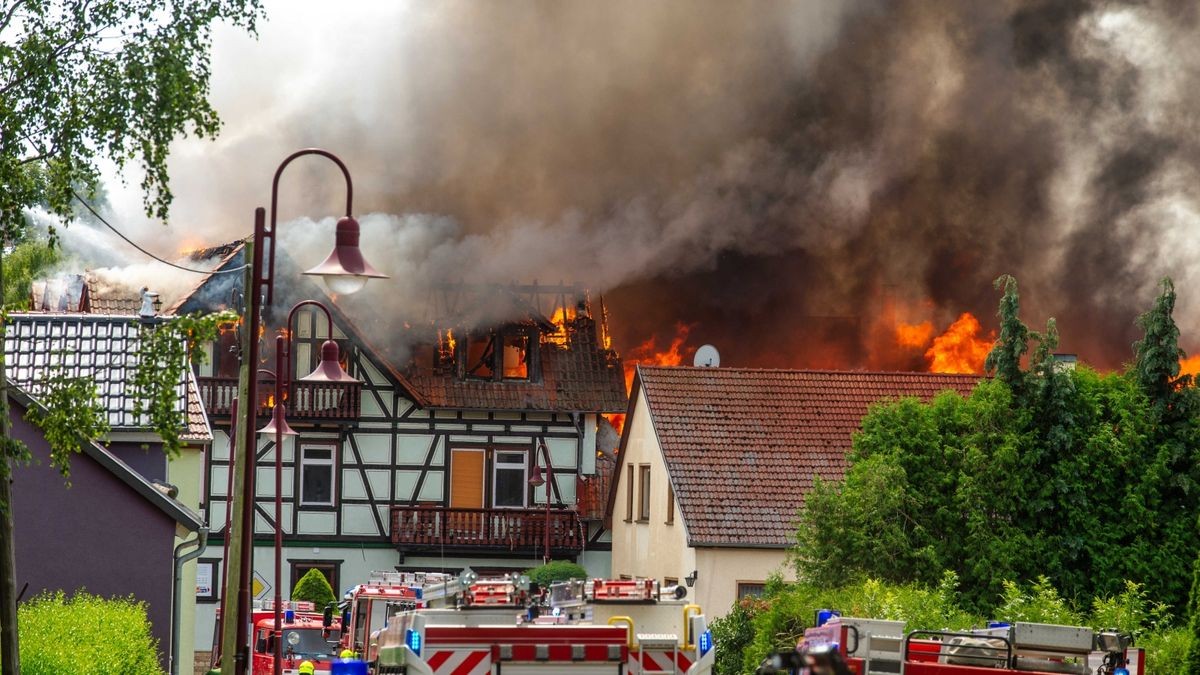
pixel 872 646
pixel 471 626
pixel 306 637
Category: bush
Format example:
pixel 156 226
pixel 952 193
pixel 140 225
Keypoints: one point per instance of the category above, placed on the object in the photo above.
pixel 86 635
pixel 733 633
pixel 1166 651
pixel 556 570
pixel 314 587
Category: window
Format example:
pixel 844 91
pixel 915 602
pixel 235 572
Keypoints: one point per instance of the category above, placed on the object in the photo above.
pixel 670 581
pixel 629 493
pixel 317 464
pixel 644 487
pixel 225 360
pixel 509 480
pixel 670 503
pixel 516 356
pixel 330 568
pixel 481 356
pixel 747 589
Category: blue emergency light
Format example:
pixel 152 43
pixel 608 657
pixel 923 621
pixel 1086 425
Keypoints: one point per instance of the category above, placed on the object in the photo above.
pixel 289 615
pixel 413 639
pixel 420 592
pixel 706 643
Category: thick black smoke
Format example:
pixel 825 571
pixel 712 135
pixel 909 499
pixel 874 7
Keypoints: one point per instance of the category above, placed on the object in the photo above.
pixel 789 178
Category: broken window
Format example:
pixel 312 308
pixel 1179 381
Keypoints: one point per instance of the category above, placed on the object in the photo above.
pixel 516 356
pixel 481 355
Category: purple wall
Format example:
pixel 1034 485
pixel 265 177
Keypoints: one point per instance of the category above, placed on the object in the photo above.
pixel 99 534
pixel 150 461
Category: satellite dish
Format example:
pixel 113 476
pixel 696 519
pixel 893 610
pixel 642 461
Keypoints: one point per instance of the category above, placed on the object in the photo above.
pixel 707 357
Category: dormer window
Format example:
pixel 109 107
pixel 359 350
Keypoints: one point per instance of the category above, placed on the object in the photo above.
pixel 505 354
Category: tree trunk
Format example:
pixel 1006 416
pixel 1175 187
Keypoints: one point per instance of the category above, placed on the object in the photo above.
pixel 247 411
pixel 10 654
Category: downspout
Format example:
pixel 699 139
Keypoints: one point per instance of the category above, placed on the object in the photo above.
pixel 201 544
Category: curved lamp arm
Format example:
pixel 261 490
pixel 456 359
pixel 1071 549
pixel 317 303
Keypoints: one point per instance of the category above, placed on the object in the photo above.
pixel 268 282
pixel 286 367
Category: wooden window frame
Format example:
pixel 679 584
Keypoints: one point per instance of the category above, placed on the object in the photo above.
pixel 334 452
pixel 740 584
pixel 335 575
pixel 643 493
pixel 670 504
pixel 629 493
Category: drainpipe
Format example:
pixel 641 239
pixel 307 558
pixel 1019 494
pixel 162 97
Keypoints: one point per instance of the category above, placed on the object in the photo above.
pixel 201 544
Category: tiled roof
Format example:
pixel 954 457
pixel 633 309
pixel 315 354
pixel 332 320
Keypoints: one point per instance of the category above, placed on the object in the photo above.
pixel 742 445
pixel 101 347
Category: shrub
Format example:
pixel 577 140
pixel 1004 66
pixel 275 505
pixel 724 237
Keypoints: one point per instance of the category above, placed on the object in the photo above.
pixel 1166 651
pixel 314 587
pixel 734 632
pixel 1040 604
pixel 556 570
pixel 86 635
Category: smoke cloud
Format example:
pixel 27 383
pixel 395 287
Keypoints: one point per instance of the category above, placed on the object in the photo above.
pixel 786 178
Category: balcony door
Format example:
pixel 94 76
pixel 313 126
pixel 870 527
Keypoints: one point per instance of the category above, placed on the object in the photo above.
pixel 466 479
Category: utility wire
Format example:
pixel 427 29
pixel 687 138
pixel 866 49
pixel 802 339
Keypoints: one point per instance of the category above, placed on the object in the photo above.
pixel 148 253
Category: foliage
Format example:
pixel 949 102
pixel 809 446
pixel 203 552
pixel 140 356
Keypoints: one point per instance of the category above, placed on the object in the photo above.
pixel 1072 475
pixel 111 79
pixel 68 412
pixel 734 632
pixel 165 353
pixel 556 570
pixel 1158 354
pixel 756 627
pixel 1166 651
pixel 23 264
pixel 86 634
pixel 314 587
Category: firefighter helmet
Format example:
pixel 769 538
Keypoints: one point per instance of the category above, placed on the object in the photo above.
pixel 307 668
pixel 347 654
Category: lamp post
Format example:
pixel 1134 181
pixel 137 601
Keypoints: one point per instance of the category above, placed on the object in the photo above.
pixel 344 271
pixel 328 370
pixel 536 480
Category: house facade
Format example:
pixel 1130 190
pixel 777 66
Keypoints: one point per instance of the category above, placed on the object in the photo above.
pixel 431 460
pixel 115 529
pixel 714 464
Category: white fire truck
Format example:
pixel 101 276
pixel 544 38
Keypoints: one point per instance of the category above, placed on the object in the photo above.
pixel 874 647
pixel 434 625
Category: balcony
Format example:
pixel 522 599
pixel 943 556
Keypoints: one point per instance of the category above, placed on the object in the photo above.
pixel 591 493
pixel 498 531
pixel 313 401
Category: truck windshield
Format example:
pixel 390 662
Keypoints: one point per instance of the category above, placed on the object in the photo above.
pixel 310 642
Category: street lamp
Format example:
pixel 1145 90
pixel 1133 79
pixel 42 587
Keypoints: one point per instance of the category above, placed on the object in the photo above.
pixel 344 264
pixel 536 480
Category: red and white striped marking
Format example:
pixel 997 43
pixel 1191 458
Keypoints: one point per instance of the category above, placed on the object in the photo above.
pixel 460 661
pixel 659 661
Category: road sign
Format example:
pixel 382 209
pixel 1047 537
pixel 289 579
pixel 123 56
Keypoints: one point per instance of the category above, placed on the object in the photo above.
pixel 259 586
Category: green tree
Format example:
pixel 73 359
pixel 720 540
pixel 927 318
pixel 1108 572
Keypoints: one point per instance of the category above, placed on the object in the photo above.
pixel 1005 358
pixel 26 262
pixel 83 81
pixel 314 587
pixel 1157 354
pixel 555 570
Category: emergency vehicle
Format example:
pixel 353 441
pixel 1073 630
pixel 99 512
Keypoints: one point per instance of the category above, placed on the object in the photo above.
pixel 306 637
pixel 873 646
pixel 469 626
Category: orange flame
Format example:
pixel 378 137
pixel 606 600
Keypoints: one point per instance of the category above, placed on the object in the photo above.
pixel 914 335
pixel 559 319
pixel 1190 365
pixel 189 246
pixel 961 349
pixel 648 353
pixel 617 421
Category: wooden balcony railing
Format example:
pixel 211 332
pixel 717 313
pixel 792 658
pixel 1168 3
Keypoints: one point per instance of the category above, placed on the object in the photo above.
pixel 591 494
pixel 416 528
pixel 305 400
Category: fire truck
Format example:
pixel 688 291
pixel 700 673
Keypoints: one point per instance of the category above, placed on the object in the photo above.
pixel 873 646
pixel 470 626
pixel 306 637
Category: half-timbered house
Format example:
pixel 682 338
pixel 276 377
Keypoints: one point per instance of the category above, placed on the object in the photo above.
pixel 470 440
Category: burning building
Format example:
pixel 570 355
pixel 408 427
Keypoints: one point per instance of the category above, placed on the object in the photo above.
pixel 475 437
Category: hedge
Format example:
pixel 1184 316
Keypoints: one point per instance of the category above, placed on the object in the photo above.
pixel 86 635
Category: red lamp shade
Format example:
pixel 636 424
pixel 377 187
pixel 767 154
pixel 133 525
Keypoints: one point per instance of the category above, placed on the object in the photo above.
pixel 536 480
pixel 329 369
pixel 345 271
pixel 277 423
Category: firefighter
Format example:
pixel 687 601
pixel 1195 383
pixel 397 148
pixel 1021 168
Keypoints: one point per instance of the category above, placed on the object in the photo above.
pixel 307 668
pixel 346 654
pixel 825 660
